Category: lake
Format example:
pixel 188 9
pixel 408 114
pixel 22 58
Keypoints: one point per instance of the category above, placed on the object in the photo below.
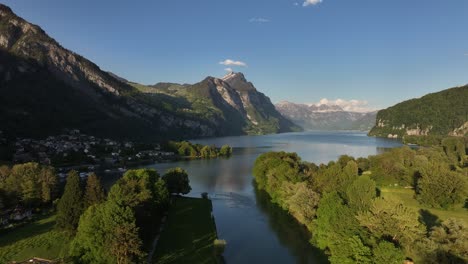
pixel 256 230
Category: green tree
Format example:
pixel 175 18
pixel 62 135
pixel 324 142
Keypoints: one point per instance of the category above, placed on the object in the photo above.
pixel 208 152
pixel 334 177
pixel 177 181
pixel 389 218
pixel 107 233
pixel 146 194
pixel 386 252
pixel 303 203
pixel 350 250
pixel 29 186
pixel 48 180
pixel 225 150
pixel 451 239
pixel 335 222
pixel 440 187
pixel 70 206
pixel 360 193
pixel 94 192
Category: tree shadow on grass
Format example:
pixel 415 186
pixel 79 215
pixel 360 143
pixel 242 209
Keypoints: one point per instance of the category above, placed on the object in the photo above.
pixel 14 235
pixel 429 219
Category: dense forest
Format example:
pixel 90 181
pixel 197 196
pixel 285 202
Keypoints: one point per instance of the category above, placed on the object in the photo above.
pixel 402 204
pixel 438 113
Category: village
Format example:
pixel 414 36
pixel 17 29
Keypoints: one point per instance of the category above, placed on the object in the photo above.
pixel 86 153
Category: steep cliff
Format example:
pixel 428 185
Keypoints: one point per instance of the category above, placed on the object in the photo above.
pixel 234 102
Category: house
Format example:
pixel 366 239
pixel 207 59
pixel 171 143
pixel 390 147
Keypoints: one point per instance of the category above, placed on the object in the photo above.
pixel 21 213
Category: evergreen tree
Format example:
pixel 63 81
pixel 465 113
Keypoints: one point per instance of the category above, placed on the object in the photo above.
pixel 94 192
pixel 70 206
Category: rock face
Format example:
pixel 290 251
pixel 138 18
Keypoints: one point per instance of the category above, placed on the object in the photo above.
pixel 326 117
pixel 45 88
pixel 442 113
pixel 243 109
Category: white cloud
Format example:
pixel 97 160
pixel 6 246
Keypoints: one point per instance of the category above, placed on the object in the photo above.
pixel 296 3
pixel 229 69
pixel 311 2
pixel 259 20
pixel 347 105
pixel 229 62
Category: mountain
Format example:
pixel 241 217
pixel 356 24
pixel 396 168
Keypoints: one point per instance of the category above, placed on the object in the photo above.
pixel 326 117
pixel 45 88
pixel 232 100
pixel 441 113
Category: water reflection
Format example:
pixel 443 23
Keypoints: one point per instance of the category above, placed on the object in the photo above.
pixel 291 234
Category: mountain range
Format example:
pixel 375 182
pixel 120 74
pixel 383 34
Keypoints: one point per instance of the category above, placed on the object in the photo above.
pixel 326 117
pixel 46 88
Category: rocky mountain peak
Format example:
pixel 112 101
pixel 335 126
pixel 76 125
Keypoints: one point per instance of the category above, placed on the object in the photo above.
pixel 238 82
pixel 5 10
pixel 234 75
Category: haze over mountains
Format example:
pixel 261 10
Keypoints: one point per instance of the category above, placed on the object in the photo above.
pixel 46 88
pixel 326 117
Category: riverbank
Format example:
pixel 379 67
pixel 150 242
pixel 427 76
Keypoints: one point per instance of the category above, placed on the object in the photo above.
pixel 189 233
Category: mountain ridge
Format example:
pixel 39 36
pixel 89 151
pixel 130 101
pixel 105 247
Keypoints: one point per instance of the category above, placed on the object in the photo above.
pixel 326 117
pixel 38 73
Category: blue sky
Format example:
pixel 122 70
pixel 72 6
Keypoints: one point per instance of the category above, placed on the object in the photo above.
pixel 382 52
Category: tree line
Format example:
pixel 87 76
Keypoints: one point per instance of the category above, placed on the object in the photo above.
pixel 30 184
pixel 188 149
pixel 341 204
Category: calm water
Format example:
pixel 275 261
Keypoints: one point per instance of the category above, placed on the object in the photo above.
pixel 257 231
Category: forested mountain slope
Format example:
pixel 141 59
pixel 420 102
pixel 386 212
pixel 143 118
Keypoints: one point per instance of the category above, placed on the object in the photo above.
pixel 441 113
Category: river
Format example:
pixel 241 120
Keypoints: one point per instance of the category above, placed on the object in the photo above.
pixel 257 231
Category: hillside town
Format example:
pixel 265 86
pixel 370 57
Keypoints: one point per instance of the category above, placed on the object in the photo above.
pixel 74 149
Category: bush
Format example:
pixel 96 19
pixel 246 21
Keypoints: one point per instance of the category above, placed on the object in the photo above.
pixel 219 246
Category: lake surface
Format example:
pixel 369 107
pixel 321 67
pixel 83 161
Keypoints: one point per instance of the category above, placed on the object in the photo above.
pixel 256 230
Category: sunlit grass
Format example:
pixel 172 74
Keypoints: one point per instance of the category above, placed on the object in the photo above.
pixel 37 239
pixel 407 197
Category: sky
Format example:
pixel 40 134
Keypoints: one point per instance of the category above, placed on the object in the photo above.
pixel 367 53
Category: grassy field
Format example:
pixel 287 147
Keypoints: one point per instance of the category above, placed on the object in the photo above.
pixel 37 239
pixel 407 196
pixel 188 234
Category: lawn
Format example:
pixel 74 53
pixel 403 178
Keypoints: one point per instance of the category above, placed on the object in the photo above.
pixel 407 196
pixel 37 239
pixel 188 234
